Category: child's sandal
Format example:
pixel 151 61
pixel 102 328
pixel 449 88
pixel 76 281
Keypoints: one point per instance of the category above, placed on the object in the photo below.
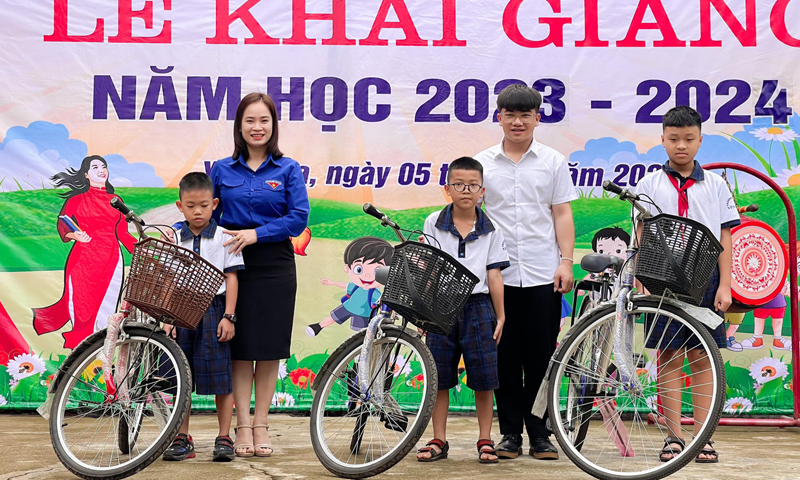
pixel 708 450
pixel 263 449
pixel 244 450
pixel 482 450
pixel 444 447
pixel 668 450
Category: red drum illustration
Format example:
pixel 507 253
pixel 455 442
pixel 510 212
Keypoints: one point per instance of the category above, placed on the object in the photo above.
pixel 759 265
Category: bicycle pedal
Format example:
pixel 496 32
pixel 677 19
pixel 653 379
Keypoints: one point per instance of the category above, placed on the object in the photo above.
pixel 395 422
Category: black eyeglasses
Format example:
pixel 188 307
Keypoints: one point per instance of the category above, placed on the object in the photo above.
pixel 459 187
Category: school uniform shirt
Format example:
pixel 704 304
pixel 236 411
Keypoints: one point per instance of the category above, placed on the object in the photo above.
pixel 272 200
pixel 519 197
pixel 482 250
pixel 710 200
pixel 208 244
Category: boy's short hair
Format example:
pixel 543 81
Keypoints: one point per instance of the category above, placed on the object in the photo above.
pixel 465 163
pixel 682 116
pixel 519 98
pixel 195 181
pixel 370 249
pixel 612 233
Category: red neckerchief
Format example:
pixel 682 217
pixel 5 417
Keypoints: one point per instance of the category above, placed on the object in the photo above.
pixel 683 198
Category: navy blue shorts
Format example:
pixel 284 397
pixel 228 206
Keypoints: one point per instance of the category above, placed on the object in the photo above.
pixel 341 314
pixel 676 336
pixel 471 337
pixel 209 359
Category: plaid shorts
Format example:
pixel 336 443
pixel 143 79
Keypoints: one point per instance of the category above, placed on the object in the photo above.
pixel 209 359
pixel 676 336
pixel 471 336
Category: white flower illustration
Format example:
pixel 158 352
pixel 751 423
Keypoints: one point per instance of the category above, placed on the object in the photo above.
pixel 775 133
pixel 789 178
pixel 738 405
pixel 652 402
pixel 280 399
pixel 25 365
pixel 401 366
pixel 3 400
pixel 765 369
pixel 650 371
pixel 282 371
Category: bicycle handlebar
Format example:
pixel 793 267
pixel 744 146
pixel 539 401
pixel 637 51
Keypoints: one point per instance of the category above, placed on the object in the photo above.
pixel 625 194
pixel 370 209
pixel 753 207
pixel 130 215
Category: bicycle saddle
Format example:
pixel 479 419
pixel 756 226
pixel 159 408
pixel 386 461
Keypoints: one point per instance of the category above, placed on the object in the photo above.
pixel 599 262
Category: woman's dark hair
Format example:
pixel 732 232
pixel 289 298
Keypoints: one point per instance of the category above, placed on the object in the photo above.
pixel 76 180
pixel 240 146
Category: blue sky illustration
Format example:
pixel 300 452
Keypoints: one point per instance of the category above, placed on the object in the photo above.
pixel 608 152
pixel 30 155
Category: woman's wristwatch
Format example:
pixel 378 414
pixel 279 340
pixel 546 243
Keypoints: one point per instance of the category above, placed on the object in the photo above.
pixel 230 316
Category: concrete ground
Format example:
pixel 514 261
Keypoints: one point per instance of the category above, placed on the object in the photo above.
pixel 753 453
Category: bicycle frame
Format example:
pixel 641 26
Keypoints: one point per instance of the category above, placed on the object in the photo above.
pixel 373 332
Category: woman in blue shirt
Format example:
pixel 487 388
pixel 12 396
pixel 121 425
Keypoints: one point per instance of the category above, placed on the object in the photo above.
pixel 263 202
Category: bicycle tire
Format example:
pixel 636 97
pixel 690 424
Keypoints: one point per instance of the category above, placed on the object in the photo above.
pixel 660 469
pixel 78 364
pixel 327 376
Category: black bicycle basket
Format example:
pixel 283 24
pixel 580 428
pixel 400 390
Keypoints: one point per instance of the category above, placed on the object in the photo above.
pixel 677 254
pixel 427 286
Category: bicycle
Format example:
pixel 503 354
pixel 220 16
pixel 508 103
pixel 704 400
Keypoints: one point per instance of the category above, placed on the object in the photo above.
pixel 374 396
pixel 601 390
pixel 120 397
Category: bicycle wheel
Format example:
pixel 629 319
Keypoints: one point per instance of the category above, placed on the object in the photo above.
pixel 613 429
pixel 358 436
pixel 101 436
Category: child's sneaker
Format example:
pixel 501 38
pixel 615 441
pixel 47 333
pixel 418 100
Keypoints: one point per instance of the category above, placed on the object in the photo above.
pixel 181 449
pixel 733 345
pixel 313 329
pixel 753 343
pixel 780 343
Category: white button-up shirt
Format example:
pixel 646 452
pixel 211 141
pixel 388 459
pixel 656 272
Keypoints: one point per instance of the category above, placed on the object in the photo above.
pixel 519 197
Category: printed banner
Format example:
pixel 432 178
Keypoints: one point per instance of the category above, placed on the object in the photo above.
pixel 375 98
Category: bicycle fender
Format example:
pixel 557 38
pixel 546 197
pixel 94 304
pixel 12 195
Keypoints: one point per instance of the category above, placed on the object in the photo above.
pixel 703 315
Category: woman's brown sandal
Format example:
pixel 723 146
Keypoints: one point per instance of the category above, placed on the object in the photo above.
pixel 444 447
pixel 482 450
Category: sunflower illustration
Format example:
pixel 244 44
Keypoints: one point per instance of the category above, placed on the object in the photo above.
pixel 94 370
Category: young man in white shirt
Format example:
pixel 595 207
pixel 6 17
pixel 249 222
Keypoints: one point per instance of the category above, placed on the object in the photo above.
pixel 528 195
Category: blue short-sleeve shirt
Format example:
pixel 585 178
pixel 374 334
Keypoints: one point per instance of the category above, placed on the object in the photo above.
pixel 272 200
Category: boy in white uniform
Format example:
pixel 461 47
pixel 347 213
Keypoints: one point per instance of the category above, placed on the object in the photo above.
pixel 683 188
pixel 466 233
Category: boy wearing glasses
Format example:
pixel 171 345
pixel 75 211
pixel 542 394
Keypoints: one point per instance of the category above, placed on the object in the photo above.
pixel 528 190
pixel 462 230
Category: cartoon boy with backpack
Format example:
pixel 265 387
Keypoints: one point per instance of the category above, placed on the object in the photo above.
pixel 361 258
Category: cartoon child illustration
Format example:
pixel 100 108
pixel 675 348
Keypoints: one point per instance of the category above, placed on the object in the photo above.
pixel 361 258
pixel 93 275
pixel 610 241
pixel 775 308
